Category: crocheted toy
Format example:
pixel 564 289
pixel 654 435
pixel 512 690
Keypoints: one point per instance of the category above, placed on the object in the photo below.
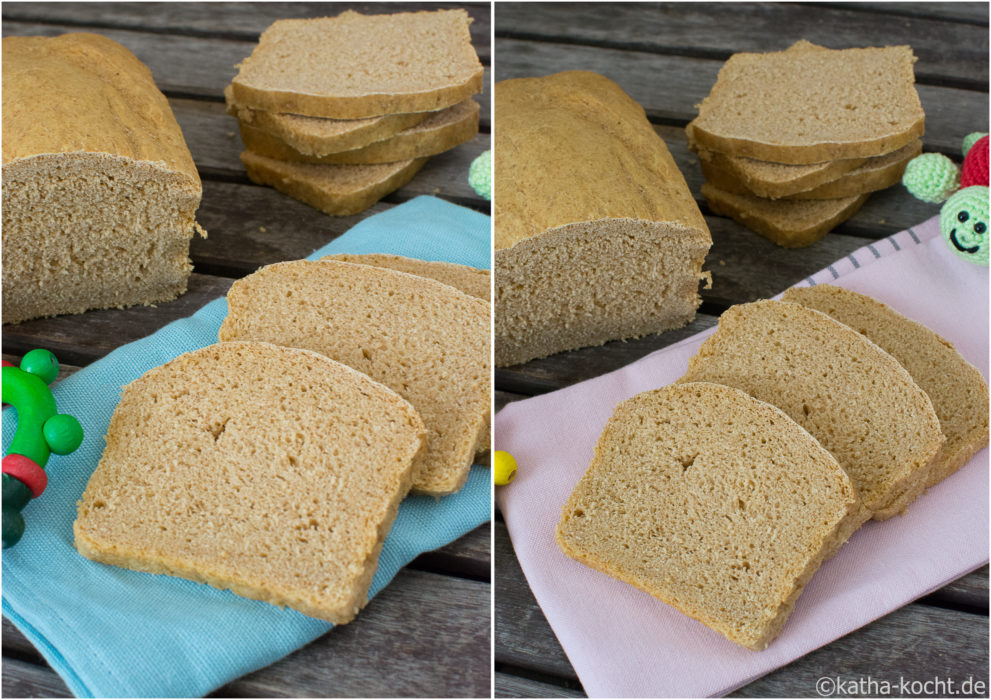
pixel 41 430
pixel 480 175
pixel 963 220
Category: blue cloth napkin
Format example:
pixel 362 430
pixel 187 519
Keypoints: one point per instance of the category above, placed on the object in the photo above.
pixel 111 632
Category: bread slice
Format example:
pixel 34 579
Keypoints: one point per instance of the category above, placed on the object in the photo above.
pixel 470 280
pixel 339 190
pixel 354 66
pixel 789 223
pixel 440 132
pixel 874 174
pixel 423 339
pixel 597 236
pixel 272 472
pixel 319 136
pixel 713 502
pixel 956 388
pixel 853 397
pixel 99 189
pixel 810 104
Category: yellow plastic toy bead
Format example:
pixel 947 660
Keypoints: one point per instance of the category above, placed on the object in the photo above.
pixel 503 467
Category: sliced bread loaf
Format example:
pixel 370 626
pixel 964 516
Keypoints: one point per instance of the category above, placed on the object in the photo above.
pixel 354 66
pixel 874 174
pixel 318 136
pixel 789 223
pixel 811 105
pixel 597 236
pixel 440 132
pixel 958 391
pixel 339 190
pixel 272 472
pixel 425 340
pixel 853 397
pixel 99 189
pixel 470 280
pixel 713 502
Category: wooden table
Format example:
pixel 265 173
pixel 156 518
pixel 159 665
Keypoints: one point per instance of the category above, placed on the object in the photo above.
pixel 428 632
pixel 666 57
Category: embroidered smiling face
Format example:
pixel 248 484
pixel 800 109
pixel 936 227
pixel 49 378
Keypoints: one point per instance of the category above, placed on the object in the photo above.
pixel 964 223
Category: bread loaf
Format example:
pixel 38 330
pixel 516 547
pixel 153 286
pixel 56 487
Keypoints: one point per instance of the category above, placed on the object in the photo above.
pixel 354 66
pixel 425 340
pixel 597 236
pixel 810 104
pixel 853 397
pixel 713 502
pixel 956 388
pixel 273 472
pixel 99 189
pixel 470 280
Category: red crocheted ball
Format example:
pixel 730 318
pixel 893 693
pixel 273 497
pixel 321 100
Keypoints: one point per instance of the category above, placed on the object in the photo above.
pixel 975 165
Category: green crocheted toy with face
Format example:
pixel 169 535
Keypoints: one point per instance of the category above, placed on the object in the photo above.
pixel 963 220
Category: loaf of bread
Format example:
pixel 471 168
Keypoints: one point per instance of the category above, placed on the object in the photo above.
pixel 789 223
pixel 339 190
pixel 956 388
pixel 272 472
pixel 425 340
pixel 874 174
pixel 810 104
pixel 318 136
pixel 99 189
pixel 853 397
pixel 713 502
pixel 439 132
pixel 354 66
pixel 597 236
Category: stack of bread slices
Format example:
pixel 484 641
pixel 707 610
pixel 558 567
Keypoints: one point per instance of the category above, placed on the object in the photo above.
pixel 273 462
pixel 792 142
pixel 340 111
pixel 796 422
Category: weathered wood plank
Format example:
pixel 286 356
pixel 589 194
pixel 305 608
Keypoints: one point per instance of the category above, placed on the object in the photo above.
pixel 22 679
pixel 231 20
pixel 931 641
pixel 214 142
pixel 383 653
pixel 973 12
pixel 970 591
pixel 669 86
pixel 716 30
pixel 917 643
pixel 469 556
pixel 506 397
pixel 510 686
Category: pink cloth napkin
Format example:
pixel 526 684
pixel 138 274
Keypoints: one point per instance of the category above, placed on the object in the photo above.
pixel 625 643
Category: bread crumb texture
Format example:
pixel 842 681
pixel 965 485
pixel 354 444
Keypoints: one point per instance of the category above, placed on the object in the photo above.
pixel 597 235
pixel 99 189
pixel 270 471
pixel 810 104
pixel 354 66
pixel 426 340
pixel 958 392
pixel 851 395
pixel 713 502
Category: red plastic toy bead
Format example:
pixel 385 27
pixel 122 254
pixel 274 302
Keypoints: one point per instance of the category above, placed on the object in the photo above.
pixel 975 165
pixel 26 470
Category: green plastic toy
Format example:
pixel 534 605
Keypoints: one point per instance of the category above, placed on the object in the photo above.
pixel 41 430
pixel 480 175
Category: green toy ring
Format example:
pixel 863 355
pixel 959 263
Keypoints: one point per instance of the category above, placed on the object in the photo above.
pixel 41 430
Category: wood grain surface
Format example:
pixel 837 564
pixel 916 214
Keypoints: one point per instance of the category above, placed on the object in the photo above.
pixel 667 56
pixel 428 633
